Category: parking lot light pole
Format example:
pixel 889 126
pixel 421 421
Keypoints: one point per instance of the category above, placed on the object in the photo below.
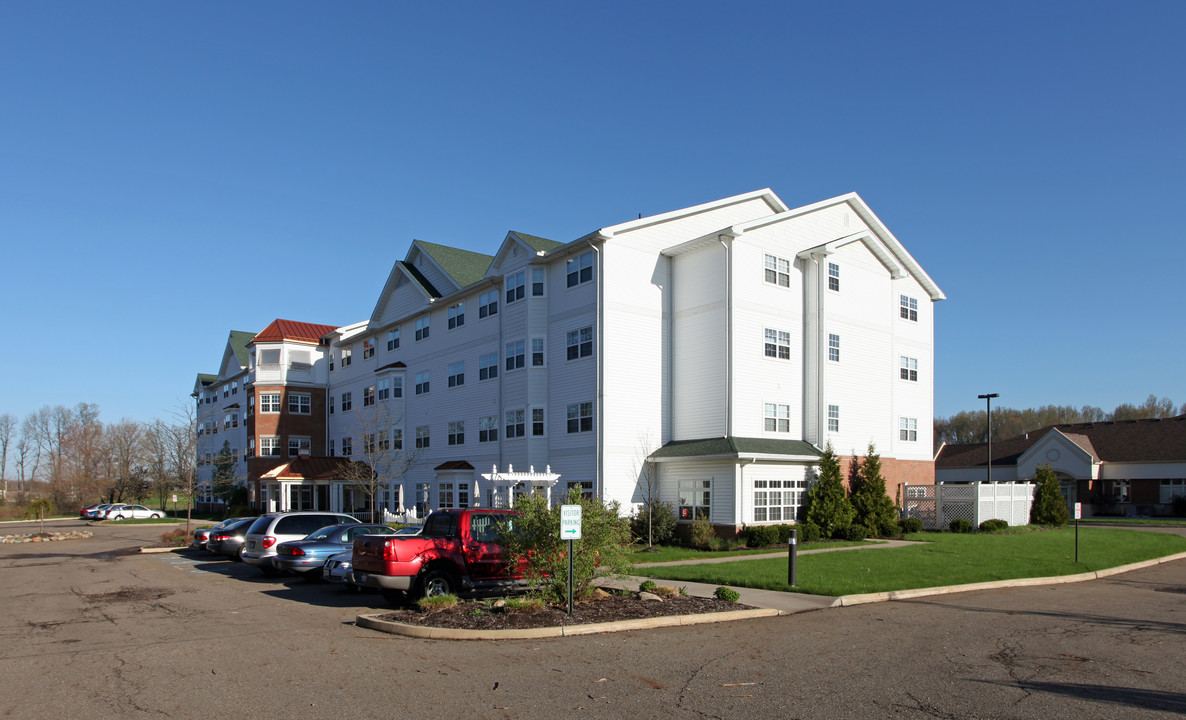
pixel 988 421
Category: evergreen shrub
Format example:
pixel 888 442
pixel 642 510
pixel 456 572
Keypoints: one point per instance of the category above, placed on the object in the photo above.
pixel 960 525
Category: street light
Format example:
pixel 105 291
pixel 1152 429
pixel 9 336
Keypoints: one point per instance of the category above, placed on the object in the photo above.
pixel 988 420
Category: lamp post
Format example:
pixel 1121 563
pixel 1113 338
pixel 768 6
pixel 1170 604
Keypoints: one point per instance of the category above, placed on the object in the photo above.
pixel 988 421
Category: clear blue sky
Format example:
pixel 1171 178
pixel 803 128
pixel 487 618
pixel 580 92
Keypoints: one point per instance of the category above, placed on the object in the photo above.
pixel 172 171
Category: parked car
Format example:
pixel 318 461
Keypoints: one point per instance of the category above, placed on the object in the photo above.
pixel 337 570
pixel 229 539
pixel 131 512
pixel 309 555
pixel 259 545
pixel 202 535
pixel 87 510
pixel 96 512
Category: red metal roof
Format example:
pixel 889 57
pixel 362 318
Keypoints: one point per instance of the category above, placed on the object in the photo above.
pixel 313 468
pixel 280 330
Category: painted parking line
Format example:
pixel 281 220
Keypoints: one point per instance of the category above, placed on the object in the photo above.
pixel 183 562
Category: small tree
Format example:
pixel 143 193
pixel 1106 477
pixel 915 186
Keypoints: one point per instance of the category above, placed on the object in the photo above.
pixel 532 539
pixel 827 504
pixel 39 508
pixel 655 521
pixel 873 507
pixel 223 480
pixel 1049 506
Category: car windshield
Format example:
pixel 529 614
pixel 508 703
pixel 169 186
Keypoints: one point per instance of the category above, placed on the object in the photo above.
pixel 324 533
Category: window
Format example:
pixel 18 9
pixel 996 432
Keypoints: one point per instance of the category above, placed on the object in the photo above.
pixel 585 486
pixel 908 429
pixel 580 417
pixel 580 269
pixel 778 271
pixel 909 368
pixel 1171 489
pixel 777 417
pixel 456 315
pixel 515 425
pixel 368 443
pixel 833 277
pixel 778 344
pixel 457 432
pixel 251 446
pixel 537 352
pixel 516 357
pixel 384 442
pixel 235 388
pixel 331 404
pixel 487 304
pixel 397 439
pixel 488 428
pixel 833 418
pixel 392 339
pixel 397 386
pixel 230 420
pixel 580 343
pixel 251 404
pixel 368 349
pixel 695 499
pixel 368 396
pixel 537 422
pixel 347 446
pixel 422 327
pixel 347 401
pixel 1119 490
pixel 445 495
pixel 488 366
pixel 300 403
pixel 422 383
pixel 269 402
pixel 297 444
pixel 514 287
pixel 384 389
pixel 777 500
pixel 537 282
pixel 269 446
pixel 908 308
pixel 331 447
pixel 269 357
pixel 331 361
pixel 296 358
pixel 347 353
pixel 833 347
pixel 422 437
pixel 457 374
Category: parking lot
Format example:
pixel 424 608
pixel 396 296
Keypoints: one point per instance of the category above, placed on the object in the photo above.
pixel 94 629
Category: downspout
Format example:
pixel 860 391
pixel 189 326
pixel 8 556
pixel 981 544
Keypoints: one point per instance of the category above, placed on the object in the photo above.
pixel 598 467
pixel 821 352
pixel 741 489
pixel 728 335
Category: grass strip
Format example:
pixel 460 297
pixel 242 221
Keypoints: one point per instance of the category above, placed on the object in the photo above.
pixel 944 559
pixel 671 553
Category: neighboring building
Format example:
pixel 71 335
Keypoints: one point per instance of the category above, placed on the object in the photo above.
pixel 1133 467
pixel 221 419
pixel 713 350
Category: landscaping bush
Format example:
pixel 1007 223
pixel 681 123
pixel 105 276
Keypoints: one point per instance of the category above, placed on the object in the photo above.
pixel 960 525
pixel 855 532
pixel 702 533
pixel 761 536
pixel 646 586
pixel 891 529
pixel 727 594
pixel 174 537
pixel 911 525
pixel 1049 506
pixel 871 505
pixel 826 503
pixel 808 532
pixel 993 525
pixel 662 523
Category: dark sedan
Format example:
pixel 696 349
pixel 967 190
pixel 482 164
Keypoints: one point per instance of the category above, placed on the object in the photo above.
pixel 310 554
pixel 228 540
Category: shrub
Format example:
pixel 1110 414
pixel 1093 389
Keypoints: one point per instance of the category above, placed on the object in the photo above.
pixel 808 532
pixel 702 532
pixel 871 505
pixel 664 591
pixel 532 539
pixel 993 525
pixel 726 594
pixel 892 529
pixel 174 537
pixel 438 602
pixel 960 525
pixel 826 502
pixel 910 525
pixel 856 532
pixel 761 536
pixel 647 586
pixel 1049 507
pixel 523 605
pixel 662 523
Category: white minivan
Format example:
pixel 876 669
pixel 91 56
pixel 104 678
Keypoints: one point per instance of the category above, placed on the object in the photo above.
pixel 268 531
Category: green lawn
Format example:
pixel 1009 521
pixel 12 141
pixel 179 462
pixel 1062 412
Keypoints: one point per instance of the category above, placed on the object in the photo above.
pixel 1152 522
pixel 670 553
pixel 945 559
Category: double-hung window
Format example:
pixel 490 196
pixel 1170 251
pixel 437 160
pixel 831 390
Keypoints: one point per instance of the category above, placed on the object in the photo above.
pixel 908 308
pixel 580 417
pixel 537 352
pixel 269 446
pixel 580 343
pixel 368 396
pixel 908 369
pixel 423 438
pixel 392 339
pixel 456 315
pixel 384 389
pixel 833 418
pixel 778 344
pixel 833 347
pixel 347 446
pixel 296 444
pixel 368 348
pixel 422 382
pixel 778 271
pixel 488 428
pixel 397 439
pixel 347 356
pixel 833 277
pixel 269 402
pixel 347 401
pixel 777 500
pixel 777 417
pixel 457 373
pixel 579 269
pixel 515 286
pixel 422 327
pixel 515 424
pixel 487 304
pixel 457 432
pixel 537 422
pixel 516 355
pixel 368 443
pixel 488 366
pixel 397 386
pixel 537 282
pixel 908 429
pixel 300 403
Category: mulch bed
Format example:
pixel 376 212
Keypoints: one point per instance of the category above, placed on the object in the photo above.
pixel 476 615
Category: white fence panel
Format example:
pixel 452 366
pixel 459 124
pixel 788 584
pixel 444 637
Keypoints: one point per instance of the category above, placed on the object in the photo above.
pixel 938 505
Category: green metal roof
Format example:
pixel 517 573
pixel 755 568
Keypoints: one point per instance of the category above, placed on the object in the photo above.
pixel 734 447
pixel 537 243
pixel 238 341
pixel 464 266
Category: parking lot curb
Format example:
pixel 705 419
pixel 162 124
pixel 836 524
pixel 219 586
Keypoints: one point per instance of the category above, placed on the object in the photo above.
pixel 159 549
pixel 374 622
pixel 864 599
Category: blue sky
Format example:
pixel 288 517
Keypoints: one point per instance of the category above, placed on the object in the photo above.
pixel 173 171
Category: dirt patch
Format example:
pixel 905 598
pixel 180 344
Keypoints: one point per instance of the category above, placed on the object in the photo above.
pixel 129 594
pixel 481 616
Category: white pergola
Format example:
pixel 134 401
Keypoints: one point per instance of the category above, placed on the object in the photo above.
pixel 505 483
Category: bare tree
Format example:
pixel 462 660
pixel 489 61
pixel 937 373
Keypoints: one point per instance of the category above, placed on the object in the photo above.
pixel 648 482
pixel 382 457
pixel 183 441
pixel 7 429
pixel 28 456
pixel 126 458
pixel 156 459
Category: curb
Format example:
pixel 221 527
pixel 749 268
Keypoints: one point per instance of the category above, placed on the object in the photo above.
pixel 150 550
pixel 374 622
pixel 849 600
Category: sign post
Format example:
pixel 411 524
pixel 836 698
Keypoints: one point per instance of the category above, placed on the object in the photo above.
pixel 570 529
pixel 1078 514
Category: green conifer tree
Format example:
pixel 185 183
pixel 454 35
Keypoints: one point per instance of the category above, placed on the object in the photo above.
pixel 1049 507
pixel 873 507
pixel 827 503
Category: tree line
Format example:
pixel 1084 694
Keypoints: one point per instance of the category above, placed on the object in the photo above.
pixel 78 458
pixel 970 427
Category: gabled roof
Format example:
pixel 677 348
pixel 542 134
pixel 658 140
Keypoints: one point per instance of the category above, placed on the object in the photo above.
pixel 735 447
pixel 239 340
pixel 1151 440
pixel 206 378
pixel 463 266
pixel 538 244
pixel 418 277
pixel 313 468
pixel 454 465
pixel 776 206
pixel 293 331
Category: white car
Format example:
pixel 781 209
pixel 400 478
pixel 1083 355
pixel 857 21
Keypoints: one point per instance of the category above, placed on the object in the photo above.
pixel 130 512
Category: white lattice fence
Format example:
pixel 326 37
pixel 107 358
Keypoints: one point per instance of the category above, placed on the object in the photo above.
pixel 938 505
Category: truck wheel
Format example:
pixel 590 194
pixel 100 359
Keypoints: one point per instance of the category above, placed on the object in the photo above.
pixel 395 597
pixel 437 582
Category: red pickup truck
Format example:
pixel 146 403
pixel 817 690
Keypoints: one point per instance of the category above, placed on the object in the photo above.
pixel 457 550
